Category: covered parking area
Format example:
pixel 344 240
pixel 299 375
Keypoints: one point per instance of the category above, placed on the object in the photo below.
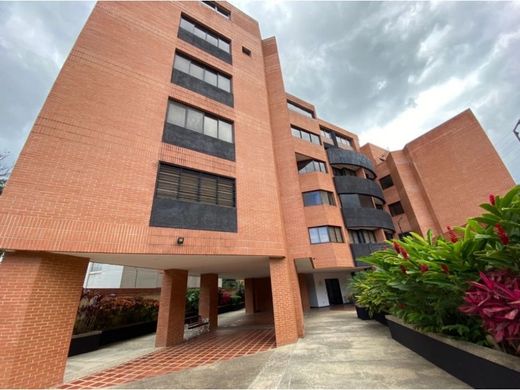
pixel 272 292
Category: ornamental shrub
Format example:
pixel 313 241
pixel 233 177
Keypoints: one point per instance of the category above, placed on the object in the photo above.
pixel 425 281
pixel 496 300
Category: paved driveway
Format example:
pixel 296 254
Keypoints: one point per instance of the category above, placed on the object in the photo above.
pixel 338 351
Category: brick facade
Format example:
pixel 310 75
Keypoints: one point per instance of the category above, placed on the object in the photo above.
pixel 86 181
pixel 39 294
pixel 170 321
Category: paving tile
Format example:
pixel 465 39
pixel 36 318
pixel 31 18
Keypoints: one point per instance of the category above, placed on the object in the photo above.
pixel 203 350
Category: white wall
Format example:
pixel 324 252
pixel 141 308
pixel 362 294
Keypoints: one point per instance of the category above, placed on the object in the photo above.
pixel 140 278
pixel 105 276
pixel 318 290
pixel 118 276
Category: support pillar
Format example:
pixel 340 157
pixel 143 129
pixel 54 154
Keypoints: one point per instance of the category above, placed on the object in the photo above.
pixel 39 298
pixel 208 299
pixel 304 292
pixel 287 323
pixel 172 307
pixel 249 298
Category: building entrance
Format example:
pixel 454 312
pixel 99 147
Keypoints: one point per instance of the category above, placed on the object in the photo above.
pixel 334 291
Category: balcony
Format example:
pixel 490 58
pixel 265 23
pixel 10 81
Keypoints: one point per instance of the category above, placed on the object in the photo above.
pixel 360 250
pixel 361 217
pixel 358 185
pixel 339 156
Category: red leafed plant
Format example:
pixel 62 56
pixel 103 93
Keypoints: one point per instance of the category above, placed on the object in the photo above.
pixel 496 299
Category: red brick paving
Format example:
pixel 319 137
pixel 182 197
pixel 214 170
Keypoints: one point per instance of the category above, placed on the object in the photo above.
pixel 206 349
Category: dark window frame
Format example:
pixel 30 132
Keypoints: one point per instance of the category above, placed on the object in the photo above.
pixel 204 114
pixel 386 182
pixel 209 31
pixel 183 194
pixel 396 208
pixel 295 107
pixel 218 8
pixel 205 67
pixel 362 236
pixel 303 170
pixel 331 201
pixel 334 233
pixel 311 135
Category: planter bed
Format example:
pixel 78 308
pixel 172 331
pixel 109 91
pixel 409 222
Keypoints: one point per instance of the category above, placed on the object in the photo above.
pixel 227 308
pixel 91 341
pixel 363 314
pixel 478 366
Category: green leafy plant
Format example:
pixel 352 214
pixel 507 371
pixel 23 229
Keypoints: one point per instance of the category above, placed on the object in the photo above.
pixel 99 312
pixel 424 280
pixel 192 300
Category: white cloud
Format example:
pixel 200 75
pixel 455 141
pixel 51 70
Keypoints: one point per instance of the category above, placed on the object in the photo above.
pixel 431 107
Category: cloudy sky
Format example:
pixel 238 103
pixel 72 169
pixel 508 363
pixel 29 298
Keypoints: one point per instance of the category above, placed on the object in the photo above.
pixel 387 71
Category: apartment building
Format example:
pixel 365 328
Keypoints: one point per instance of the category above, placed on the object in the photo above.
pixel 169 142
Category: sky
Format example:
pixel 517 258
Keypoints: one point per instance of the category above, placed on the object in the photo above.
pixel 387 71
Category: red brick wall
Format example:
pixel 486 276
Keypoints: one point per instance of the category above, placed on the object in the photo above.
pixel 458 168
pixel 172 306
pixel 441 177
pixel 208 298
pixel 40 294
pixel 85 179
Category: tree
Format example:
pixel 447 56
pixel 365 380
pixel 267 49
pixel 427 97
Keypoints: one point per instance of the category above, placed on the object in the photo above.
pixel 5 170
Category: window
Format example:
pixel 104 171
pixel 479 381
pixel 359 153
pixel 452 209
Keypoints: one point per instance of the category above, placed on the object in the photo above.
pixel 326 134
pixel 299 110
pixel 185 184
pixel 344 143
pixel 343 172
pixel 362 236
pixel 193 119
pixel 217 8
pixel 356 201
pixel 311 166
pixel 386 182
pixel 314 198
pixel 246 51
pixel 202 33
pixel 324 234
pixel 396 208
pixel 305 135
pixel 202 72
pixel 389 235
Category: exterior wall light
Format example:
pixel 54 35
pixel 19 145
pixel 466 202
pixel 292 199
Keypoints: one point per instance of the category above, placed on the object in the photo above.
pixel 180 240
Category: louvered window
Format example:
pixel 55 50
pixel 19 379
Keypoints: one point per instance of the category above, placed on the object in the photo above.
pixel 194 186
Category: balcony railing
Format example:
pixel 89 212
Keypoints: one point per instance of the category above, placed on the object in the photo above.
pixel 358 185
pixel 360 250
pixel 360 217
pixel 339 156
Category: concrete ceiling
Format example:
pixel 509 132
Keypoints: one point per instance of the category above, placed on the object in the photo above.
pixel 233 267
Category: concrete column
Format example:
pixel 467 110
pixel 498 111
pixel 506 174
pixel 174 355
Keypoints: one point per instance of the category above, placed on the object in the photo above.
pixel 39 298
pixel 380 235
pixel 172 306
pixel 287 323
pixel 304 292
pixel 249 297
pixel 208 299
